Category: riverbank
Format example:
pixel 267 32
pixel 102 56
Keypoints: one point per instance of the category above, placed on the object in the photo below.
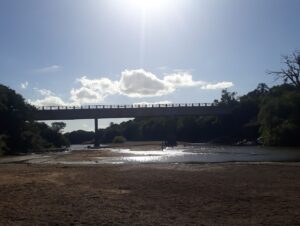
pixel 150 194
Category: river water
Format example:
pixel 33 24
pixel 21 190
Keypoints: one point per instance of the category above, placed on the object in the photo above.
pixel 205 153
pixel 195 153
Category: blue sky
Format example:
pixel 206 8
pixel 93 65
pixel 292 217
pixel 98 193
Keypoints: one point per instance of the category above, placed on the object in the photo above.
pixel 124 51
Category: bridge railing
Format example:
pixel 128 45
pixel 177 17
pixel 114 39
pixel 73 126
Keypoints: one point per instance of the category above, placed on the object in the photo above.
pixel 125 106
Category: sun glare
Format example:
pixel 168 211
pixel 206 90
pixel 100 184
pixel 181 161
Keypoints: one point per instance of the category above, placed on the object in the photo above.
pixel 150 4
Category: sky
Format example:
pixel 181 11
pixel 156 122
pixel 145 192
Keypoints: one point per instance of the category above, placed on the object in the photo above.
pixel 80 52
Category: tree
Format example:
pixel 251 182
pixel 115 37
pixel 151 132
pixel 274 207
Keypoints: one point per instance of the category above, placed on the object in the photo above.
pixel 58 126
pixel 14 114
pixel 227 98
pixel 279 117
pixel 18 132
pixel 261 89
pixel 291 72
pixel 119 140
pixel 81 136
pixel 132 130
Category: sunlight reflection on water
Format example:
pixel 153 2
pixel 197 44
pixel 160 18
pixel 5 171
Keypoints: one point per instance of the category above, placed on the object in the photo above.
pixel 167 151
pixel 206 154
pixel 196 153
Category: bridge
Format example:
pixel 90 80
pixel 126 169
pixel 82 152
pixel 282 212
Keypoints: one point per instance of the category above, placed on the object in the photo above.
pixel 126 111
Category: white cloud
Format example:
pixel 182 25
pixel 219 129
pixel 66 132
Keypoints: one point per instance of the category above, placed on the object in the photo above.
pixel 153 103
pixel 93 90
pixel 48 69
pixel 44 92
pixel 219 85
pixel 48 101
pixel 85 95
pixel 133 83
pixel 185 79
pixel 24 85
pixel 182 79
pixel 103 85
pixel 139 83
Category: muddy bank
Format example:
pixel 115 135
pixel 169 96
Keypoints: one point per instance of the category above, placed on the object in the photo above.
pixel 161 194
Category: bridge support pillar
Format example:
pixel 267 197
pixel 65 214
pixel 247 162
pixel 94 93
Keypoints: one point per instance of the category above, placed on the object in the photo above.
pixel 171 123
pixel 96 137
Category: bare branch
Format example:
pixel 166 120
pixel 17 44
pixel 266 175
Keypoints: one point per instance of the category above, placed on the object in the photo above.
pixel 291 73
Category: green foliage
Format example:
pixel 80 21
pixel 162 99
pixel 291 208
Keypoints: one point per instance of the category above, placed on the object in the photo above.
pixel 58 126
pixel 18 132
pixel 14 114
pixel 244 116
pixel 273 114
pixel 132 130
pixel 280 117
pixel 119 140
pixel 51 135
pixel 227 99
pixel 110 133
pixel 241 124
pixel 80 137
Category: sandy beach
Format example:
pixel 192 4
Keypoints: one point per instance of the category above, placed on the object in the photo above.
pixel 149 194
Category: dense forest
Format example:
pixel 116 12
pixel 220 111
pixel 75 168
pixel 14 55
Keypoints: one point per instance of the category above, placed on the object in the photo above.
pixel 18 132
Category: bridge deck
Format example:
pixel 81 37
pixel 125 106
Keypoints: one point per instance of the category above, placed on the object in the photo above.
pixel 126 111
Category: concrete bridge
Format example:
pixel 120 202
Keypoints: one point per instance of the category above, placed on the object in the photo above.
pixel 126 111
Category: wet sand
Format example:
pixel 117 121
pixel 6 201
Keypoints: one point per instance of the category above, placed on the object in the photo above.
pixel 150 194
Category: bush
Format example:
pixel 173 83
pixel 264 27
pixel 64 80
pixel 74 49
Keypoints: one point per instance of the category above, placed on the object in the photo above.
pixel 119 139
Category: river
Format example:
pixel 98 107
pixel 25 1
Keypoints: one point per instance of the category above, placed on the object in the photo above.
pixel 192 153
pixel 206 153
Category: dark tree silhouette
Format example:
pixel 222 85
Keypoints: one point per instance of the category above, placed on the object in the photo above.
pixel 58 126
pixel 227 98
pixel 291 72
pixel 261 89
pixel 18 132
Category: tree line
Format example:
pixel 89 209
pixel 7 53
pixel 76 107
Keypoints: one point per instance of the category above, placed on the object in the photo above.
pixel 265 115
pixel 268 115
